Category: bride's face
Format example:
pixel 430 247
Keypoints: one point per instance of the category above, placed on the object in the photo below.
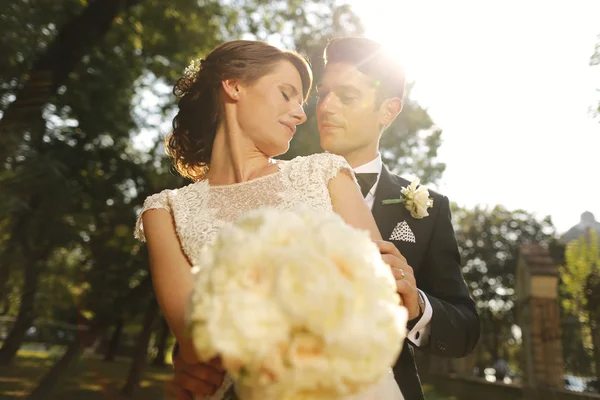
pixel 269 110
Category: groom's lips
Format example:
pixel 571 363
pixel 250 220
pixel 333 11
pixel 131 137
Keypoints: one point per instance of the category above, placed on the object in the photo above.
pixel 326 128
pixel 327 125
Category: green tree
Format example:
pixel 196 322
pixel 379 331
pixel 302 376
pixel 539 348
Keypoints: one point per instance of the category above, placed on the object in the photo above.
pixel 579 285
pixel 488 241
pixel 577 358
pixel 35 203
pixel 141 350
pixel 581 259
pixel 411 143
pixel 95 327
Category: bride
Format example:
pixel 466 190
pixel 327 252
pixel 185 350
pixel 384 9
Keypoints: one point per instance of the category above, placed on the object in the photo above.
pixel 238 109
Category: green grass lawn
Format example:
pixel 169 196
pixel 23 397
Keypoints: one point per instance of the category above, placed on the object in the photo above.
pixel 93 379
pixel 90 379
pixel 431 394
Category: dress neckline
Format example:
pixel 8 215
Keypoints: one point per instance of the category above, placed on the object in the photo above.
pixel 248 182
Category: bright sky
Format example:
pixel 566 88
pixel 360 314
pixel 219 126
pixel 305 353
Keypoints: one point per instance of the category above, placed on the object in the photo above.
pixel 509 82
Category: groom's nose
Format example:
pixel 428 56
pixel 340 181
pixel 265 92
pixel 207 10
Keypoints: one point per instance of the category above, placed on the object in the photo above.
pixel 328 103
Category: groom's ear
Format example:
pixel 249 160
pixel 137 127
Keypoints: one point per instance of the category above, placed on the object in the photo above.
pixel 389 110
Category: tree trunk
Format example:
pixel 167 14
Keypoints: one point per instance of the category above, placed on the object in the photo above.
pixel 594 316
pixel 49 382
pixel 24 318
pixel 27 251
pixel 5 302
pixel 487 337
pixel 163 337
pixel 141 351
pixel 5 305
pixel 480 363
pixel 115 339
pixel 4 290
pixel 496 333
pixel 592 289
pixel 57 372
pixel 75 39
pixel 596 345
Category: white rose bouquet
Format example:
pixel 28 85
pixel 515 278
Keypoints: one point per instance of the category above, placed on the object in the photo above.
pixel 298 305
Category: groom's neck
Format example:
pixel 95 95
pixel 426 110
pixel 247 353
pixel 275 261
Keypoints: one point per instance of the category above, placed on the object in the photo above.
pixel 361 156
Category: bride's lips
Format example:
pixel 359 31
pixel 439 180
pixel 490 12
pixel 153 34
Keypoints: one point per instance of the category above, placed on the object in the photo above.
pixel 291 127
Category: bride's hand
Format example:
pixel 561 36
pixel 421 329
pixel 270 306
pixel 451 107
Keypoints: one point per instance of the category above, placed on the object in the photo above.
pixel 406 284
pixel 202 378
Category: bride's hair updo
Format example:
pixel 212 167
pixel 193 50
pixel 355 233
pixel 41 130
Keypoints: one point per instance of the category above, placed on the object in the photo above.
pixel 200 104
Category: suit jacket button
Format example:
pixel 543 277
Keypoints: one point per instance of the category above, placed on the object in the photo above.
pixel 440 345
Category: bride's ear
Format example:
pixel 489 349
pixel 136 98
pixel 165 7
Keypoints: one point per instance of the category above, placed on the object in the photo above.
pixel 231 88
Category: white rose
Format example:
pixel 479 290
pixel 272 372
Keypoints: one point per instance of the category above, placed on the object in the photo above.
pixel 308 276
pixel 417 200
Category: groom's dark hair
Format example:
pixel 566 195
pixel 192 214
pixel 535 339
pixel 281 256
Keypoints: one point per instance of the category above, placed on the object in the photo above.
pixel 369 58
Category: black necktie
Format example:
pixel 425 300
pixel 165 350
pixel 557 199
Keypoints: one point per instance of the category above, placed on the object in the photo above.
pixel 366 182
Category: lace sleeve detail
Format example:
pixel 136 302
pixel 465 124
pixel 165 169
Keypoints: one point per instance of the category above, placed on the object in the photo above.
pixel 331 165
pixel 158 200
pixel 306 179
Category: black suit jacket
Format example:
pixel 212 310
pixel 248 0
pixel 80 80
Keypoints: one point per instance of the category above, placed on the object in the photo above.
pixel 455 325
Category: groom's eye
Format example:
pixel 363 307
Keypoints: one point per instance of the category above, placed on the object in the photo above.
pixel 320 91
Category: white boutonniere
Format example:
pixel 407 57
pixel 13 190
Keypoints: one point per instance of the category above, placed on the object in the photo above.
pixel 415 198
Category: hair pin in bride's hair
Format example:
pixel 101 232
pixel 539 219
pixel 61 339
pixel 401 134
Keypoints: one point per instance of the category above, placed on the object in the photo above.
pixel 190 76
pixel 192 70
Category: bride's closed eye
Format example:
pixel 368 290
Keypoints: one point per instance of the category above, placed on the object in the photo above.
pixel 288 91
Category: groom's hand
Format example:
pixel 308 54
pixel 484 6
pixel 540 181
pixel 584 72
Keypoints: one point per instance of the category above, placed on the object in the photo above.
pixel 190 379
pixel 406 284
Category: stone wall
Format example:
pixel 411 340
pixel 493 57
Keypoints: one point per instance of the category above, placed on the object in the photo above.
pixel 546 343
pixel 476 389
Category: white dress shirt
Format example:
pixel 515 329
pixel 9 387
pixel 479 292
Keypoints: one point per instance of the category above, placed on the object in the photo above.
pixel 419 334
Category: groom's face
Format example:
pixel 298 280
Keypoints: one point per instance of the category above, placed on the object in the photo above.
pixel 348 119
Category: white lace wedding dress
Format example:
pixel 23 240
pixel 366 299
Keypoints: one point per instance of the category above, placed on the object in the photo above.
pixel 200 210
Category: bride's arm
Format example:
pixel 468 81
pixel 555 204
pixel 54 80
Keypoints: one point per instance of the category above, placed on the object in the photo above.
pixel 171 275
pixel 348 202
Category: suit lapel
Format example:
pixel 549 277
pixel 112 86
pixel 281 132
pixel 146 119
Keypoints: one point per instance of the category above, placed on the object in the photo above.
pixel 387 216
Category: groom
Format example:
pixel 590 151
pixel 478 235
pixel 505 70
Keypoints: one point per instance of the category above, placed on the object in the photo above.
pixel 359 96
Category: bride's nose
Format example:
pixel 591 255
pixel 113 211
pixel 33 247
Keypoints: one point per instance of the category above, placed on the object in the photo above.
pixel 298 114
